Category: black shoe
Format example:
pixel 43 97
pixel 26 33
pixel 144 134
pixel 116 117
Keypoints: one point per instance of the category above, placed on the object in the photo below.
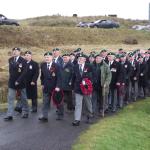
pixel 18 109
pixel 76 123
pixel 8 118
pixel 89 120
pixel 113 110
pixel 43 119
pixel 24 116
pixel 59 117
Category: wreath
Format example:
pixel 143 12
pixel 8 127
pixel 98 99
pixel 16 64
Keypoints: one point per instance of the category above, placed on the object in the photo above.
pixel 86 86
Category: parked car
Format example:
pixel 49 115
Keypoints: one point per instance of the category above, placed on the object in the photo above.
pixel 141 27
pixel 84 24
pixel 104 24
pixel 5 21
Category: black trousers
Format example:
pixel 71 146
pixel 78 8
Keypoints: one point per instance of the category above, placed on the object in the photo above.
pixel 68 99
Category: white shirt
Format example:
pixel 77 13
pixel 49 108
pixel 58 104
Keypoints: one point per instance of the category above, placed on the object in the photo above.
pixel 56 59
pixel 49 65
pixel 16 58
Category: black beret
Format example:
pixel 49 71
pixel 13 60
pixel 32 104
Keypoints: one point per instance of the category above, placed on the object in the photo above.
pixel 16 48
pixel 48 54
pixel 28 52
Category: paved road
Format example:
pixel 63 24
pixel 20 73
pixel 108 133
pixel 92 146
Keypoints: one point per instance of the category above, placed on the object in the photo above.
pixel 30 134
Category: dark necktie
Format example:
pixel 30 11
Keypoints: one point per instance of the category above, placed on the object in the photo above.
pixel 48 66
pixel 80 69
pixel 15 59
pixel 54 60
pixel 64 65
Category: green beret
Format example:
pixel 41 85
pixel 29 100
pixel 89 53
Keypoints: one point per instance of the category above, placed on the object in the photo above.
pixel 56 49
pixel 111 53
pixel 120 49
pixel 65 55
pixel 28 52
pixel 82 55
pixel 48 54
pixel 72 54
pixel 103 50
pixel 16 48
pixel 131 54
pixel 77 50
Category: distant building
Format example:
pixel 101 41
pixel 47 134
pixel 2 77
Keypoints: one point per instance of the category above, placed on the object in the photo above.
pixel 113 15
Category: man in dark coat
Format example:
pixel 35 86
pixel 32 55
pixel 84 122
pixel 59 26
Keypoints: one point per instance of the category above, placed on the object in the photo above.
pixel 81 71
pixel 134 76
pixel 115 69
pixel 17 74
pixel 67 74
pixel 147 60
pixel 50 81
pixel 127 68
pixel 57 57
pixel 31 80
pixel 142 77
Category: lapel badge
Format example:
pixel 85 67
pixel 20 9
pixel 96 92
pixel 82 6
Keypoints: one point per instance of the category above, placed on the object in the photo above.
pixel 19 70
pixel 53 74
pixel 30 67
pixel 67 70
pixel 20 65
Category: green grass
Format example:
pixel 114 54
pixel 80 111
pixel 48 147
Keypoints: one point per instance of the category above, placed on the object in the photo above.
pixel 45 37
pixel 128 130
pixel 64 21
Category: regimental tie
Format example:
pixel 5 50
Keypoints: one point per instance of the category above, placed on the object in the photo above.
pixel 15 59
pixel 48 66
pixel 80 69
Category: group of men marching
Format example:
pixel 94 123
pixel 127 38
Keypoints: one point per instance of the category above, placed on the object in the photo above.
pixel 99 83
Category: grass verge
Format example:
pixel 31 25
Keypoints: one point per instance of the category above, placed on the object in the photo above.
pixel 128 130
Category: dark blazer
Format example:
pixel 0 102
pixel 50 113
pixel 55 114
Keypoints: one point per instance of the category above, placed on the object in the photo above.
pixel 32 76
pixel 148 69
pixel 115 69
pixel 67 74
pixel 135 69
pixel 50 78
pixel 143 73
pixel 17 73
pixel 126 70
pixel 59 61
pixel 77 77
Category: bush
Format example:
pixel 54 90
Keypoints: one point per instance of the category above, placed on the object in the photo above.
pixel 130 40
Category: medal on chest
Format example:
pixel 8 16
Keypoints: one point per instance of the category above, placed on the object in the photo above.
pixel 30 67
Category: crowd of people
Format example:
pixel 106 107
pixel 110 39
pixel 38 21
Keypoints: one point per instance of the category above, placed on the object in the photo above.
pixel 99 83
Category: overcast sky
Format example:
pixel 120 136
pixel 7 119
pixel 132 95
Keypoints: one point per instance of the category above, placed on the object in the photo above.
pixel 20 9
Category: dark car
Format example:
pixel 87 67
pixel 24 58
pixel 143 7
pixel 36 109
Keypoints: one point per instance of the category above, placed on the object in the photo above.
pixel 104 24
pixel 84 24
pixel 5 21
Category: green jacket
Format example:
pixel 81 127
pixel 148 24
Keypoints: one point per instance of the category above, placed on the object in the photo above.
pixel 105 77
